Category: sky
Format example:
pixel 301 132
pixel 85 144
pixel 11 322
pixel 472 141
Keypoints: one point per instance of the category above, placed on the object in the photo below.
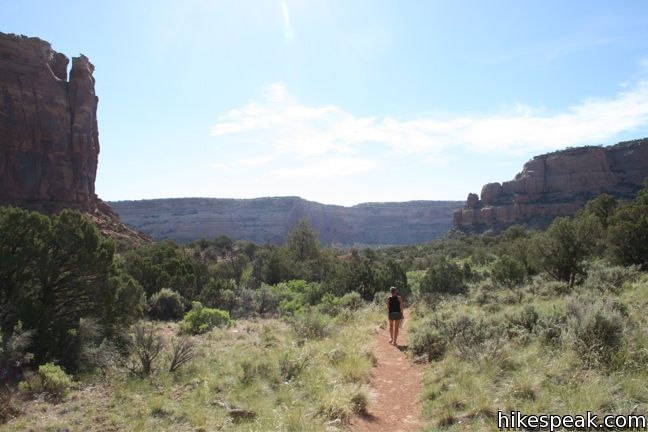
pixel 345 101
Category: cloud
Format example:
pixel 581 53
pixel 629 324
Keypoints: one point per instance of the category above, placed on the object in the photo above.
pixel 288 32
pixel 282 124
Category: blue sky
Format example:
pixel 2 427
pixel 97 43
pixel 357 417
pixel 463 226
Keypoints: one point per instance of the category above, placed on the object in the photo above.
pixel 343 101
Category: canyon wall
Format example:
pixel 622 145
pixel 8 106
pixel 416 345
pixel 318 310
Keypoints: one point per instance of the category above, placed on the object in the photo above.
pixel 556 184
pixel 49 142
pixel 269 219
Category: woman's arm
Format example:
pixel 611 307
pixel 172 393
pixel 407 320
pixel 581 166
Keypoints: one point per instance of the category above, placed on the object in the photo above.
pixel 400 301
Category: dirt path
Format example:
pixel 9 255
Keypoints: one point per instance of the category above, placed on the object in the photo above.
pixel 396 384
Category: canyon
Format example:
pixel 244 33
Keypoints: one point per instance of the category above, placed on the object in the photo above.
pixel 262 220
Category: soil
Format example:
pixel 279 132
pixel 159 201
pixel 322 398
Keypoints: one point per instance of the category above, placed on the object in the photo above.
pixel 396 383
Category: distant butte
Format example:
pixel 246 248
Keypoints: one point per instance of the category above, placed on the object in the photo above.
pixel 556 184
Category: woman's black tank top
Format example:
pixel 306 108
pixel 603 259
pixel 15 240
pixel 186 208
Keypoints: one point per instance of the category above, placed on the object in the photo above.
pixel 394 304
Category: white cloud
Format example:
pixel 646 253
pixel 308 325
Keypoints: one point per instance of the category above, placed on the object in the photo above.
pixel 289 127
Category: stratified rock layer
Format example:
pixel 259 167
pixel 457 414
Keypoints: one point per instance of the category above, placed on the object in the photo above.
pixel 49 139
pixel 269 219
pixel 557 184
pixel 49 143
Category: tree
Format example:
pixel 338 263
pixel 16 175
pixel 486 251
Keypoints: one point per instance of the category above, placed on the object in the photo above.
pixel 301 242
pixel 56 271
pixel 443 277
pixel 163 265
pixel 561 250
pixel 390 275
pixel 508 271
pixel 602 207
pixel 628 235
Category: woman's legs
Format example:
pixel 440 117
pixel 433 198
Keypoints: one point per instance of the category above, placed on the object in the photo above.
pixel 395 332
pixel 391 331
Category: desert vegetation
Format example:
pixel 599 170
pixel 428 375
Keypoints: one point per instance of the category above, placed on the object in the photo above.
pixel 223 334
pixel 215 334
pixel 537 322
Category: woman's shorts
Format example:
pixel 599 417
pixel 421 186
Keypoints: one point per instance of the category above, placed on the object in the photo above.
pixel 395 316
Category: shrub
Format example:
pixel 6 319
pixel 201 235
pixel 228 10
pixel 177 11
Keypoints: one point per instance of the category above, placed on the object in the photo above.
pixel 50 379
pixel 291 365
pixel 166 305
pixel 9 407
pixel 551 327
pixel 526 319
pixel 201 319
pixel 182 352
pixel 508 271
pixel 14 354
pixel 428 341
pixel 598 334
pixel 311 323
pixel 146 347
pixel 475 339
pixel 609 278
pixel 333 305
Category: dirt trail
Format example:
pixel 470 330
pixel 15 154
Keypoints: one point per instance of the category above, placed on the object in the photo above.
pixel 396 384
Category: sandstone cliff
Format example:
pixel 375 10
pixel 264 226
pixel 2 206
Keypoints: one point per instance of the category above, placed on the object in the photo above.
pixel 556 184
pixel 49 139
pixel 48 127
pixel 269 219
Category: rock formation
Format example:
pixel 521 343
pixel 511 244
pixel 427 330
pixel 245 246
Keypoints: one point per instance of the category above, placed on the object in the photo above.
pixel 48 127
pixel 557 184
pixel 269 219
pixel 49 140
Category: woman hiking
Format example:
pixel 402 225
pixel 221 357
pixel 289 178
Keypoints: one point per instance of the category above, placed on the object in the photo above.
pixel 395 314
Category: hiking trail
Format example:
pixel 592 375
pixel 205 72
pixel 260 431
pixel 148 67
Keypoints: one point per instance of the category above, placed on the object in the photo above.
pixel 396 388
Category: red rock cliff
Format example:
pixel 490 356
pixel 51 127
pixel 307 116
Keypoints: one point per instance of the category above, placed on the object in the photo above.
pixel 557 184
pixel 49 142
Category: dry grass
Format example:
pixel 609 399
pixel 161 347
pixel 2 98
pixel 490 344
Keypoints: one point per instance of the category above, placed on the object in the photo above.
pixel 529 375
pixel 256 376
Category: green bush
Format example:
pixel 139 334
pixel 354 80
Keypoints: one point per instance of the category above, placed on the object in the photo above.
pixel 604 277
pixel 166 305
pixel 50 379
pixel 508 271
pixel 310 323
pixel 201 319
pixel 551 327
pixel 428 341
pixel 526 319
pixel 333 305
pixel 598 333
